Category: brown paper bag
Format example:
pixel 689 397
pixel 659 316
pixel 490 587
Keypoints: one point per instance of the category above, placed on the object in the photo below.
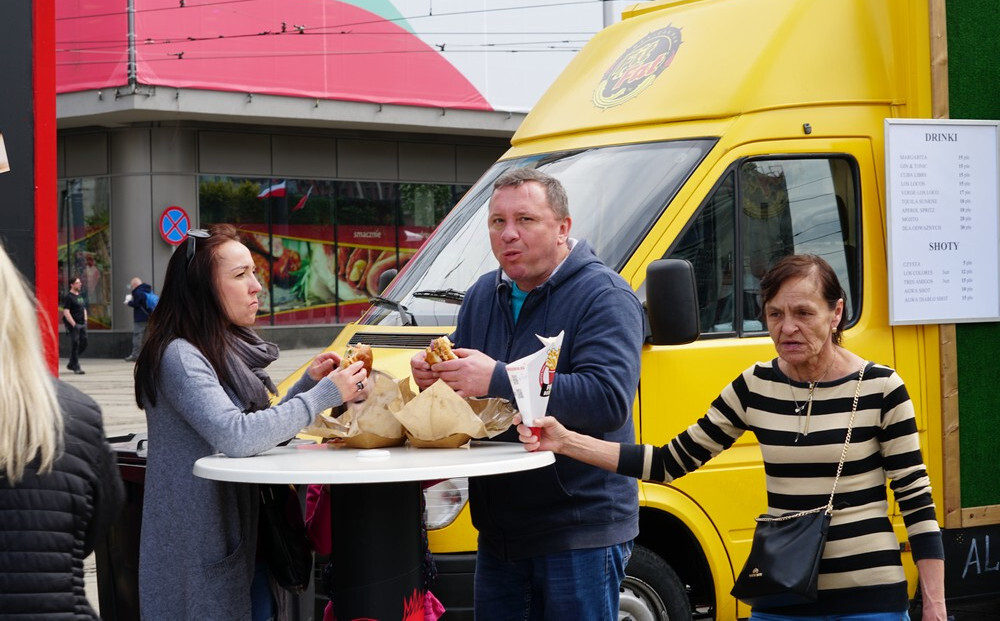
pixel 439 418
pixel 370 423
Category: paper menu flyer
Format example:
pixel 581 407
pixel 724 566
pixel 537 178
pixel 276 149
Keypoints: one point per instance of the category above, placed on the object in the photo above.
pixel 532 377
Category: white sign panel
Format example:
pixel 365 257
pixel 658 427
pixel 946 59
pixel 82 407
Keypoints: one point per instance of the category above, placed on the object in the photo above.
pixel 943 216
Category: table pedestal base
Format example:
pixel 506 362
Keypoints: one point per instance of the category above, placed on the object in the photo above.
pixel 378 552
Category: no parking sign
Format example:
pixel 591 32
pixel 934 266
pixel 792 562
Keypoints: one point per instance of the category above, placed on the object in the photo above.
pixel 174 225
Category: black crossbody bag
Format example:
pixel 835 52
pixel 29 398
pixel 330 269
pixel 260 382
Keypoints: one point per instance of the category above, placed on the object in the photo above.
pixel 285 543
pixel 783 566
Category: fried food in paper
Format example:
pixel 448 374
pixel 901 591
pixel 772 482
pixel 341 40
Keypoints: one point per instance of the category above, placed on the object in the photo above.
pixel 370 423
pixel 438 417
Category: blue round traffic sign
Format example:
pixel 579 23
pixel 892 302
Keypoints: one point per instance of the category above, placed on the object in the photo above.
pixel 174 225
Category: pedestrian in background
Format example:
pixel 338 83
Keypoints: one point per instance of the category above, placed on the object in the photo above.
pixel 60 490
pixel 201 379
pixel 140 314
pixel 75 318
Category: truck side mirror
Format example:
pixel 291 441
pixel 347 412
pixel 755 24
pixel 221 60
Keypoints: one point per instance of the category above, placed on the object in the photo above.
pixel 385 278
pixel 671 302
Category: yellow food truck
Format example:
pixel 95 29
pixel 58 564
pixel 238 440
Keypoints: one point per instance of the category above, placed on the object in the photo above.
pixel 727 133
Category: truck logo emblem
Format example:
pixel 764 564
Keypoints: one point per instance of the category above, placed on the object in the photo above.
pixel 637 67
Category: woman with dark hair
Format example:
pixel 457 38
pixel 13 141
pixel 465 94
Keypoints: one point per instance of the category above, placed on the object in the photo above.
pixel 799 407
pixel 200 378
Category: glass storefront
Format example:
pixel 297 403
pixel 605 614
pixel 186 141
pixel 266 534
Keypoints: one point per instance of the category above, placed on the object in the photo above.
pixel 85 245
pixel 322 246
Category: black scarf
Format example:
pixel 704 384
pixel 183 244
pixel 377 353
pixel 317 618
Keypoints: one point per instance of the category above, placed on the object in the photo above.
pixel 248 356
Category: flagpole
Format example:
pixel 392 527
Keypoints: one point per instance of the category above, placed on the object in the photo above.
pixel 336 250
pixel 270 255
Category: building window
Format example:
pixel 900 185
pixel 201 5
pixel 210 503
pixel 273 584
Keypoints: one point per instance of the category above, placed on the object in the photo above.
pixel 322 247
pixel 85 245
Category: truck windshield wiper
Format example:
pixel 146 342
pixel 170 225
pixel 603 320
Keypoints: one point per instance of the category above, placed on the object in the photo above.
pixel 445 295
pixel 404 314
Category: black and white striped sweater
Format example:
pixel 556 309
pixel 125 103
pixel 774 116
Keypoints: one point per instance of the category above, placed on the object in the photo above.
pixel 861 570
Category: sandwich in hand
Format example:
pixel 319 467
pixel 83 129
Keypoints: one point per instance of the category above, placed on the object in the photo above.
pixel 440 350
pixel 355 352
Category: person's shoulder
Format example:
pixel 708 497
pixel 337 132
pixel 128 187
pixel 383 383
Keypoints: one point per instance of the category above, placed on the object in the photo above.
pixel 83 428
pixel 763 370
pixel 600 279
pixel 181 348
pixel 583 262
pixel 180 356
pixel 874 370
pixel 71 394
pixel 78 406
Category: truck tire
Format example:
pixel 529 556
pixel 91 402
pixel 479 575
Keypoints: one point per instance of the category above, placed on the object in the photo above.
pixel 651 590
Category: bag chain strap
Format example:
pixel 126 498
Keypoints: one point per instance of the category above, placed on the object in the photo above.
pixel 828 508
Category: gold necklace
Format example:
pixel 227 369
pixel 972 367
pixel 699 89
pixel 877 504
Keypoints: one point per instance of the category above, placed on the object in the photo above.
pixel 808 405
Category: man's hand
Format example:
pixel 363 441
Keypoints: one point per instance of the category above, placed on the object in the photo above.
pixel 421 371
pixel 469 376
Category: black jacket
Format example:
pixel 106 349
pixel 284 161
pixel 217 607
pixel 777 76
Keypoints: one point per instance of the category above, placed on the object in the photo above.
pixel 50 523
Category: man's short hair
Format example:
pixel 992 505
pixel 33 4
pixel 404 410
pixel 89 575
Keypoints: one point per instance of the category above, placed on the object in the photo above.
pixel 555 193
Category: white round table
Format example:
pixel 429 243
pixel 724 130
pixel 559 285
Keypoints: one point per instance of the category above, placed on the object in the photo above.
pixel 334 463
pixel 376 509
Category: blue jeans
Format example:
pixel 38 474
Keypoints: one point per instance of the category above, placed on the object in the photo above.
pixel 577 584
pixel 262 603
pixel 861 616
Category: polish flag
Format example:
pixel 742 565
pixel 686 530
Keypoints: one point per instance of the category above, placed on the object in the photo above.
pixel 302 201
pixel 277 191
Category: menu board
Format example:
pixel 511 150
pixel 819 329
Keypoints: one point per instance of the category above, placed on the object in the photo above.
pixel 943 217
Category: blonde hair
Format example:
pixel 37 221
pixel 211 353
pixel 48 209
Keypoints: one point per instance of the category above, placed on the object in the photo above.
pixel 31 422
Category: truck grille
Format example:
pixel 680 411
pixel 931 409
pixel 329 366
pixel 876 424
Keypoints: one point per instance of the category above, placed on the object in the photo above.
pixel 396 341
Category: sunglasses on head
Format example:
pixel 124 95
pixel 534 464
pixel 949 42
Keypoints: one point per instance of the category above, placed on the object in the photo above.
pixel 192 235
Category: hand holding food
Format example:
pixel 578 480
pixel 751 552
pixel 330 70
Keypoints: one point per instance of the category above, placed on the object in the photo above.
pixel 350 380
pixel 420 370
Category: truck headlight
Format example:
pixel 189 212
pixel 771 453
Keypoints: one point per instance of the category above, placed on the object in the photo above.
pixel 444 501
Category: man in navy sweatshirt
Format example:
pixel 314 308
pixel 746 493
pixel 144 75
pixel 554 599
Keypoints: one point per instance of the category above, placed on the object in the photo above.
pixel 553 542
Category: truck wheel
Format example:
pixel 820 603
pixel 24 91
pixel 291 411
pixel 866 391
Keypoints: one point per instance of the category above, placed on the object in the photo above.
pixel 651 590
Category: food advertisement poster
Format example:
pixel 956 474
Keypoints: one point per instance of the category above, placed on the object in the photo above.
pixel 314 272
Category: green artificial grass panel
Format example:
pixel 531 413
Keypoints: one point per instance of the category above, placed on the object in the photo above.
pixel 979 412
pixel 973 80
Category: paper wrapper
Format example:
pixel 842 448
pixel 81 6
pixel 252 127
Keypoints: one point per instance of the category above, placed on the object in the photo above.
pixel 370 423
pixel 439 418
pixel 531 378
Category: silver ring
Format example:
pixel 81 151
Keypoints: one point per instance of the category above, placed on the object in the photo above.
pixel 361 386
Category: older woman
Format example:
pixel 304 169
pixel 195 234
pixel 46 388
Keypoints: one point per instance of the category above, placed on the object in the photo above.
pixel 798 405
pixel 200 377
